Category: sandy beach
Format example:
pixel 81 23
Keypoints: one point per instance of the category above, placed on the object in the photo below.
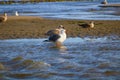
pixel 36 27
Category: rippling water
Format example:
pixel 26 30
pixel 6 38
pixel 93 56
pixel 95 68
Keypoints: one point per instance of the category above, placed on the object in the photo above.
pixel 84 59
pixel 65 10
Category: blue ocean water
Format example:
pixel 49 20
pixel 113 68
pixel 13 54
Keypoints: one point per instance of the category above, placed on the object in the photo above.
pixel 86 10
pixel 84 59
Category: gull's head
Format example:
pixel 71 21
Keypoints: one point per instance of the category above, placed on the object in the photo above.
pixel 63 31
pixel 60 27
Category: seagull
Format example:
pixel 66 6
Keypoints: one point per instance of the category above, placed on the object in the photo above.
pixel 3 18
pixel 86 25
pixel 104 2
pixel 16 13
pixel 58 38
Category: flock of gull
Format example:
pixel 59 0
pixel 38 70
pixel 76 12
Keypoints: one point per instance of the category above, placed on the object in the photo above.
pixel 58 35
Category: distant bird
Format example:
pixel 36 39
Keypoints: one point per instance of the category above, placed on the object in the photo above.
pixel 104 2
pixel 16 13
pixel 3 18
pixel 58 38
pixel 86 25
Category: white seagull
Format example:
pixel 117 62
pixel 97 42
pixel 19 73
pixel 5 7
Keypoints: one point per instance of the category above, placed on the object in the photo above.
pixel 16 13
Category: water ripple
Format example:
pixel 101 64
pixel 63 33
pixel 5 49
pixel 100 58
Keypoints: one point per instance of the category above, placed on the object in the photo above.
pixel 84 58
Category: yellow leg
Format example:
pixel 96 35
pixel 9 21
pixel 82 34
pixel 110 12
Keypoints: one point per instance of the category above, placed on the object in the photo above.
pixel 58 44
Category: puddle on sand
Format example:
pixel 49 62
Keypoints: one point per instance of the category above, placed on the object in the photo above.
pixel 84 58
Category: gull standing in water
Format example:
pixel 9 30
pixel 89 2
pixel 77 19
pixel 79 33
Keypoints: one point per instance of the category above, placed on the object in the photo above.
pixel 59 37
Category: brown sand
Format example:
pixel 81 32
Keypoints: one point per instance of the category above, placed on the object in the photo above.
pixel 110 5
pixel 36 27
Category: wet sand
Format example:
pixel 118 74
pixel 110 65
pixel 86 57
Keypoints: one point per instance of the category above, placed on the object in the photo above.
pixel 110 5
pixel 36 27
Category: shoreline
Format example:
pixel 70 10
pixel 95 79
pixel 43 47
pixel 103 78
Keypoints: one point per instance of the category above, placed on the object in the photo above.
pixel 110 5
pixel 19 27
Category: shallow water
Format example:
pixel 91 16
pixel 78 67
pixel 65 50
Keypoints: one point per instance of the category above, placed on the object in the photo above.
pixel 84 59
pixel 84 10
